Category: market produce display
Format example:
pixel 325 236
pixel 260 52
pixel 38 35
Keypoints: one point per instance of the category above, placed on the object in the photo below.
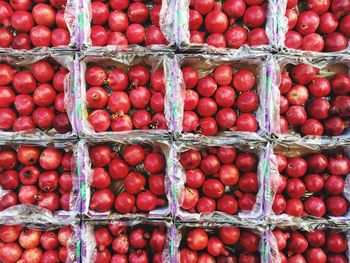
pixel 34 97
pixel 174 131
pixel 314 101
pixel 129 181
pixel 312 185
pixel 22 244
pixel 124 100
pixel 40 176
pixel 26 25
pixel 212 102
pixel 123 23
pixel 219 179
pixel 121 242
pixel 216 245
pixel 226 24
pixel 310 246
pixel 317 25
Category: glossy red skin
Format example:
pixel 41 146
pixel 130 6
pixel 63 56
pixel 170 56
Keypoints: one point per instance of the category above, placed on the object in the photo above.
pixel 100 120
pixel 315 206
pixel 197 239
pixel 249 241
pixel 190 198
pixel 293 40
pixel 292 17
pixel 257 37
pixel 328 23
pixel 205 205
pixel 125 203
pixel 334 126
pixel 336 242
pixel 236 36
pixel 294 207
pixel 226 155
pixel 313 42
pixel 335 42
pixel 227 204
pixel 243 80
pixel 187 255
pixel 336 206
pixel 234 9
pixel 216 22
pixel 99 37
pixel 316 238
pixel 314 182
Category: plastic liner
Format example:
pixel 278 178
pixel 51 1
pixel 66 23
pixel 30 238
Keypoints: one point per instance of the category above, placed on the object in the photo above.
pixel 124 61
pixel 26 60
pixel 260 149
pixel 305 226
pixel 166 24
pixel 329 66
pixel 302 148
pixel 212 228
pixel 116 145
pixel 205 64
pixel 71 16
pixel 37 214
pixel 73 243
pixel 88 252
pixel 182 37
pixel 282 28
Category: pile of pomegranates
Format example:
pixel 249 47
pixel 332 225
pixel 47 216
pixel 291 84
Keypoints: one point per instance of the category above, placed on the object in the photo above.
pixel 219 179
pixel 123 22
pixel 228 23
pixel 316 25
pixel 128 181
pixel 120 100
pixel 118 243
pixel 225 100
pixel 29 24
pixel 219 245
pixel 33 97
pixel 35 175
pixel 318 246
pixel 313 104
pixel 22 244
pixel 312 185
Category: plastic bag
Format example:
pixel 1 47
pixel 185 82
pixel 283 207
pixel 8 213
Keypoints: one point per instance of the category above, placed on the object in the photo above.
pixel 89 251
pixel 35 212
pixel 328 66
pixel 183 33
pixel 205 64
pixel 25 61
pixel 162 210
pixel 302 149
pixel 123 61
pixel 262 152
pixel 166 23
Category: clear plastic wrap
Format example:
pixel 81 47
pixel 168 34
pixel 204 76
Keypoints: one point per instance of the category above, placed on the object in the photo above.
pixel 71 17
pixel 34 212
pixel 73 242
pixel 303 148
pixel 328 66
pixel 117 144
pixel 282 29
pixel 166 23
pixel 212 228
pixel 26 60
pixel 182 38
pixel 260 63
pixel 124 61
pixel 262 152
pixel 304 227
pixel 88 254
